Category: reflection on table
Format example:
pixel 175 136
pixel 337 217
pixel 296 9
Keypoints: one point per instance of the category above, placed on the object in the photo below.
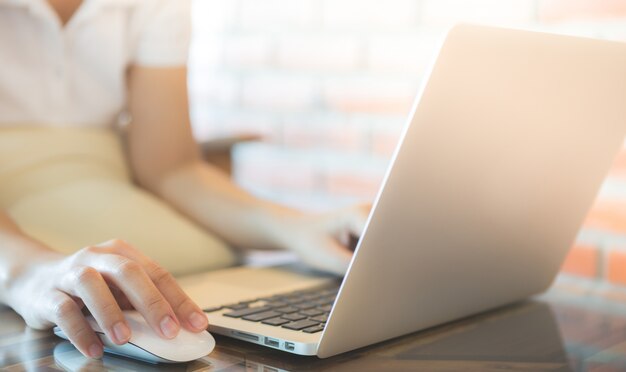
pixel 570 328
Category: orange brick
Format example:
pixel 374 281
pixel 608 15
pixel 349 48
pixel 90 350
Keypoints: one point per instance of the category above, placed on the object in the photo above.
pixel 609 215
pixel 618 169
pixel 558 10
pixel 384 142
pixel 582 260
pixel 616 268
pixel 384 146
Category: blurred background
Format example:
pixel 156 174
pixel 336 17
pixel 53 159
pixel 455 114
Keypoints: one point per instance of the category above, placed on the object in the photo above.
pixel 327 85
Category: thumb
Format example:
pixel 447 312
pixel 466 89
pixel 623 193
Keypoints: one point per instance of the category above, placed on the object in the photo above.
pixel 329 256
pixel 352 219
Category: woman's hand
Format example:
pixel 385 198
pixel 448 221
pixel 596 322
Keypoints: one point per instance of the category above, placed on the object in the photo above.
pixel 322 240
pixel 103 279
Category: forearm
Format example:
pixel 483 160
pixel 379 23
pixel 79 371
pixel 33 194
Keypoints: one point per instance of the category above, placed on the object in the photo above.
pixel 211 198
pixel 17 251
pixel 165 160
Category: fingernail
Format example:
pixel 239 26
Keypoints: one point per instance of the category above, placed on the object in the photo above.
pixel 121 332
pixel 95 351
pixel 198 321
pixel 169 327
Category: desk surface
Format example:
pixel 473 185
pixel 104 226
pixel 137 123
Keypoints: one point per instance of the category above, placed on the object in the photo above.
pixel 571 327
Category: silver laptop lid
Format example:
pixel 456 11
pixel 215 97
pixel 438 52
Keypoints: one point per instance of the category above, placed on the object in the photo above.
pixel 506 148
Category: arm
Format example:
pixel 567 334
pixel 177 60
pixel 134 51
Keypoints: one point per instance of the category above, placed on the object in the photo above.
pixel 12 240
pixel 165 160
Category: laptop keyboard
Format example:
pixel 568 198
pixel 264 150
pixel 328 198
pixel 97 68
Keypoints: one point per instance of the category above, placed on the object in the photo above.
pixel 303 311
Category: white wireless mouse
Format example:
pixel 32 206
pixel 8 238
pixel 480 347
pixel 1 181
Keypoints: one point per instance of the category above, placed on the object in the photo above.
pixel 146 345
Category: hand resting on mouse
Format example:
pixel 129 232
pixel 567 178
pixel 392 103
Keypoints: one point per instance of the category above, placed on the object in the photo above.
pixel 145 345
pixel 103 279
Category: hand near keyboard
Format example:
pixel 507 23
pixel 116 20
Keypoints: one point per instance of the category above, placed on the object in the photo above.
pixel 323 241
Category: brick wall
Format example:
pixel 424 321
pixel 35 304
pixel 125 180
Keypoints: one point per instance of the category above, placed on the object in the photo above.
pixel 328 85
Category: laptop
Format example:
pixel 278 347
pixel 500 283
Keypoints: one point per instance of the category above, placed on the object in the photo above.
pixel 503 153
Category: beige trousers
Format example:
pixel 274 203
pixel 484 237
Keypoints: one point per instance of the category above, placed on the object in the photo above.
pixel 70 188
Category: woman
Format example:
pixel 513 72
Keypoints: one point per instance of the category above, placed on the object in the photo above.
pixel 71 69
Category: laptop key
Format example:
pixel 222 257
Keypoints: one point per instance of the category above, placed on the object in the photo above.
pixel 324 301
pixel 261 316
pixel 294 316
pixel 212 309
pixel 287 309
pixel 305 305
pixel 294 300
pixel 276 304
pixel 272 298
pixel 328 299
pixel 325 307
pixel 237 306
pixel 311 312
pixel 314 329
pixel 300 324
pixel 247 311
pixel 331 291
pixel 312 296
pixel 321 318
pixel 275 321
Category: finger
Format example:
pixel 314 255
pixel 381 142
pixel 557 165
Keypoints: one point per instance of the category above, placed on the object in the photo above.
pixel 352 219
pixel 188 313
pixel 352 243
pixel 329 256
pixel 67 315
pixel 120 297
pixel 357 219
pixel 88 284
pixel 110 246
pixel 132 280
pixel 79 302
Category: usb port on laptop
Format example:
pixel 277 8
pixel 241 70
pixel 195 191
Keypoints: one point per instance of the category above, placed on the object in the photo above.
pixel 271 342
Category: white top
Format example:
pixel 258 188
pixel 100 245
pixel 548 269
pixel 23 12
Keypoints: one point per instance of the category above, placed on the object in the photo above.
pixel 74 75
